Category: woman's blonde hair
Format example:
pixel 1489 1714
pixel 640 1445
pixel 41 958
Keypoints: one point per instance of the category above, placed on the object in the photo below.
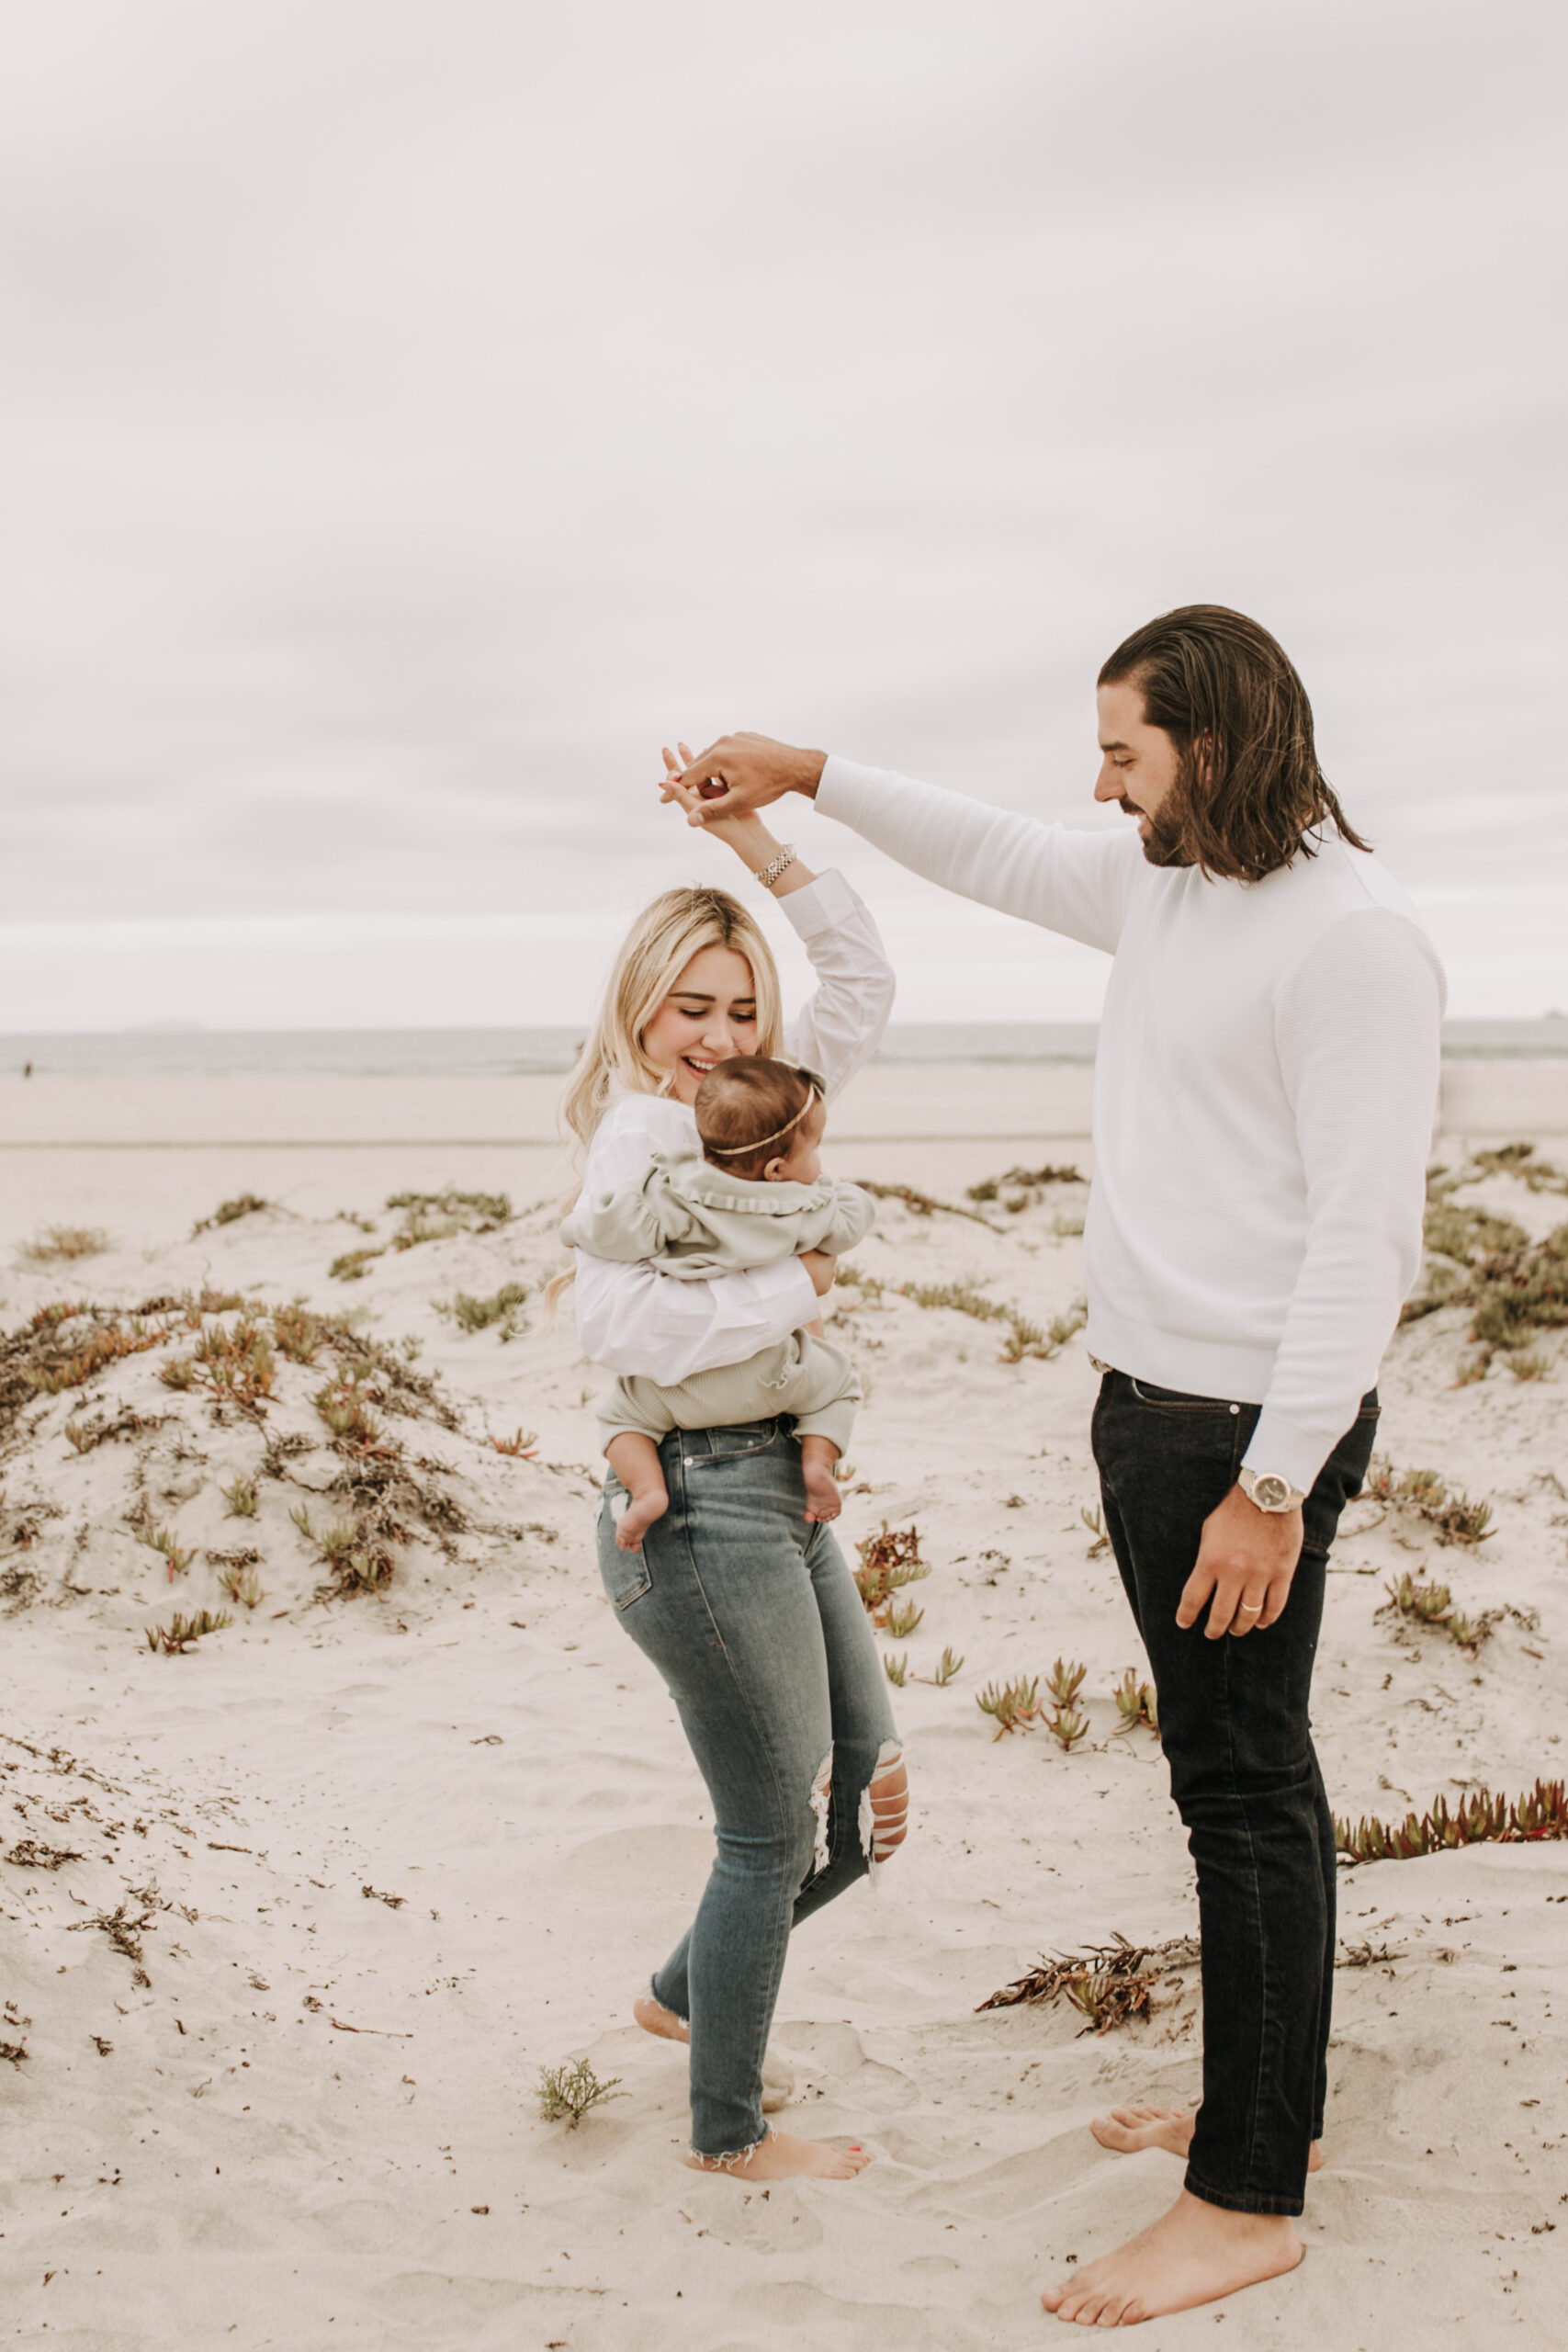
pixel 654 954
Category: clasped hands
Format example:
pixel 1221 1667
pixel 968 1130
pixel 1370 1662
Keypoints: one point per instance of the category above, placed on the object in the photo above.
pixel 738 775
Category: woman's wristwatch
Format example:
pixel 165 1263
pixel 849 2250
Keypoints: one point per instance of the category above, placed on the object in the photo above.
pixel 769 874
pixel 1268 1491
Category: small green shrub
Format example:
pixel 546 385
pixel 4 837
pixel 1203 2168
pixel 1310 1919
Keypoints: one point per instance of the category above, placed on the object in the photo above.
pixel 183 1633
pixel 61 1243
pixel 565 2094
pixel 230 1211
pixel 471 1313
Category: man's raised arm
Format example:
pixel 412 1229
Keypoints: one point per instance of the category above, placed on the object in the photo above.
pixel 1076 882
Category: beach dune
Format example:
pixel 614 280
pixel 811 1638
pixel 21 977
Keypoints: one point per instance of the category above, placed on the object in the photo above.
pixel 291 1920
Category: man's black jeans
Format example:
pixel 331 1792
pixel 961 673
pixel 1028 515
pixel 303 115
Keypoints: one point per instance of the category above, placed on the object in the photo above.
pixel 1234 1721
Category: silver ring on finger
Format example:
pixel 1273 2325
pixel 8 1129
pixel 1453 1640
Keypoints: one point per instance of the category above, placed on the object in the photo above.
pixel 1252 1608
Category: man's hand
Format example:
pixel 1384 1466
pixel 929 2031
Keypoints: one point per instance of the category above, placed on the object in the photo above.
pixel 1246 1559
pixel 742 772
pixel 822 1269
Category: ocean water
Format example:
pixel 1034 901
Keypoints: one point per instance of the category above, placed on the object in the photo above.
pixel 513 1052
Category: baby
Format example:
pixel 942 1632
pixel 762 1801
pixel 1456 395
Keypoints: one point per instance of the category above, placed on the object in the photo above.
pixel 756 1195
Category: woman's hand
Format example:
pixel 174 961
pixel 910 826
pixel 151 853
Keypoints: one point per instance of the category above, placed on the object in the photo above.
pixel 747 771
pixel 743 834
pixel 746 835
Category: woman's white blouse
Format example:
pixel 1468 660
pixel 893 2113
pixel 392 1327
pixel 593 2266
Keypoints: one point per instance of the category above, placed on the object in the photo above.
pixel 636 1320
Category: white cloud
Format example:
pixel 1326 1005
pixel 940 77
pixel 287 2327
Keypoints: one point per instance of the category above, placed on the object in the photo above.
pixel 412 416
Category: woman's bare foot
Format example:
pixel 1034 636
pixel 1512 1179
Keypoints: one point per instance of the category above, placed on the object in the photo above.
pixel 782 2157
pixel 778 2075
pixel 638 1516
pixel 654 2017
pixel 1129 2129
pixel 1194 2254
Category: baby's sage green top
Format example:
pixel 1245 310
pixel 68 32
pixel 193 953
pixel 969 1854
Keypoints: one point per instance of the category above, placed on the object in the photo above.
pixel 696 1220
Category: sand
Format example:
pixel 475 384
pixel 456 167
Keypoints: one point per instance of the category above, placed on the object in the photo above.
pixel 393 1854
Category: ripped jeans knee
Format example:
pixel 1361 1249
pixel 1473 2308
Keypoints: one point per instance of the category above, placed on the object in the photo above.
pixel 821 1793
pixel 884 1806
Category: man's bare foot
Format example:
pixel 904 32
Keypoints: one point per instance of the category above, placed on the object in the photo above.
pixel 1129 2129
pixel 782 2157
pixel 778 2075
pixel 638 1516
pixel 1194 2254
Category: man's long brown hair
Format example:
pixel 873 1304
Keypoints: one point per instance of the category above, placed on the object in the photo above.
pixel 1251 790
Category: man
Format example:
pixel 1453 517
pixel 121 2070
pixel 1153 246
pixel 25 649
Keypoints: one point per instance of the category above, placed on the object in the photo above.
pixel 1264 1096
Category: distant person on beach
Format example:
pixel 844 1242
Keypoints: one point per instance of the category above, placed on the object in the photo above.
pixel 742 1601
pixel 1265 1090
pixel 756 1194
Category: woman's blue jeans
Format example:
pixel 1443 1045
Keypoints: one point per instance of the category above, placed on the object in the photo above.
pixel 754 1622
pixel 1234 1719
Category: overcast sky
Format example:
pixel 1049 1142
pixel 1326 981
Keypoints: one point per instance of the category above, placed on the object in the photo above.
pixel 411 414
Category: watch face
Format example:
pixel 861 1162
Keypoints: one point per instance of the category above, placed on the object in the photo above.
pixel 1271 1494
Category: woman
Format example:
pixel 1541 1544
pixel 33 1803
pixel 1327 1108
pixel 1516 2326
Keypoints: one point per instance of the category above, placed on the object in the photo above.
pixel 745 1607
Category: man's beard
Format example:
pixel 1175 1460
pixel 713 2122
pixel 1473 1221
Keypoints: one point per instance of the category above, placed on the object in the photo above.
pixel 1167 843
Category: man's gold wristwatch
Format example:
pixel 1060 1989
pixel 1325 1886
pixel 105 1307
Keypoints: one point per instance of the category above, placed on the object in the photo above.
pixel 1269 1492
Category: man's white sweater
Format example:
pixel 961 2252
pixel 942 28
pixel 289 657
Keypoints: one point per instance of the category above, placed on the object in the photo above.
pixel 1264 1095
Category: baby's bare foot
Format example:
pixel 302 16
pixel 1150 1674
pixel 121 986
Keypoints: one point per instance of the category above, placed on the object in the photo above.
pixel 782 2157
pixel 1129 2129
pixel 823 1500
pixel 638 1517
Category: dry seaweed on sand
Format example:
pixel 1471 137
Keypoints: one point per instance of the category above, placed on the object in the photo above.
pixel 887 1560
pixel 28 1855
pixel 125 1928
pixel 1108 1984
pixel 1480 1819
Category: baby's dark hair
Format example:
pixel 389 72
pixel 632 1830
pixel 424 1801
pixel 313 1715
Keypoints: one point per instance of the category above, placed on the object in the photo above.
pixel 749 1109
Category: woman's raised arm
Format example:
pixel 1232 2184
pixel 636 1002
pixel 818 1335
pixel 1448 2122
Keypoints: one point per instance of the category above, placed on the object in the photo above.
pixel 841 1024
